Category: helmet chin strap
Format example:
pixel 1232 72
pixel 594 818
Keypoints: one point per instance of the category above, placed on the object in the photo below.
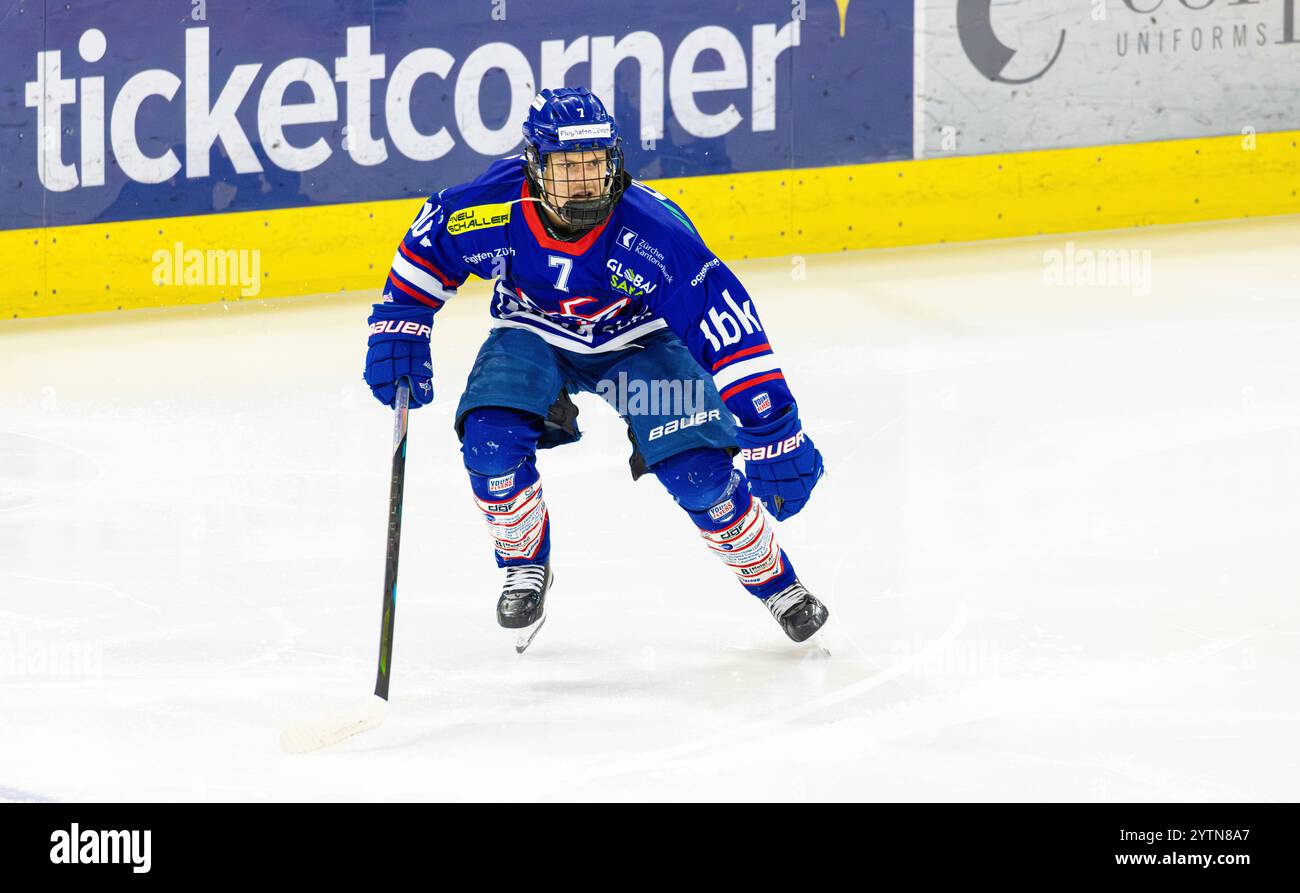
pixel 576 216
pixel 584 213
pixel 563 220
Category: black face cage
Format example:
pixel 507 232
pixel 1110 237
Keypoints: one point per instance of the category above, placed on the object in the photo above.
pixel 580 213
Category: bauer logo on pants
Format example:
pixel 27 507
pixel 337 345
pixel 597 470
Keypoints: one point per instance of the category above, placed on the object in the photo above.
pixel 682 424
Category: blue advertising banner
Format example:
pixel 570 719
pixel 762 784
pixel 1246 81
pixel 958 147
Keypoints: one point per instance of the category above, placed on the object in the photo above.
pixel 155 108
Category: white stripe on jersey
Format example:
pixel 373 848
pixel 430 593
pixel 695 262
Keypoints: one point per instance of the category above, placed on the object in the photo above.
pixel 744 369
pixel 518 321
pixel 559 336
pixel 421 279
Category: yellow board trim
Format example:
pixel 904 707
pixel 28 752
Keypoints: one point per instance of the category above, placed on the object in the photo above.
pixel 333 248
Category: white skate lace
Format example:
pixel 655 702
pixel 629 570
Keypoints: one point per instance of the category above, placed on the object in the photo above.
pixel 786 599
pixel 529 577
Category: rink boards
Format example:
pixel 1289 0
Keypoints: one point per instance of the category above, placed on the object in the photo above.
pixel 99 267
pixel 783 128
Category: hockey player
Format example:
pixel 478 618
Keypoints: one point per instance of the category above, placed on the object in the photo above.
pixel 599 280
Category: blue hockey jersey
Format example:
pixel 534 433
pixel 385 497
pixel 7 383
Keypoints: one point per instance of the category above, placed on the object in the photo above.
pixel 644 269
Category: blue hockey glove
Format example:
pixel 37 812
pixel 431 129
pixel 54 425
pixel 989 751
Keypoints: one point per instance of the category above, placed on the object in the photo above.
pixel 781 462
pixel 399 348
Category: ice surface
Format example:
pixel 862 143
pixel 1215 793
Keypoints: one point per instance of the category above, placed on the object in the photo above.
pixel 1058 539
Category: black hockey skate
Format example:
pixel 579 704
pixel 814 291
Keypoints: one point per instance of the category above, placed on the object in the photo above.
pixel 798 612
pixel 522 606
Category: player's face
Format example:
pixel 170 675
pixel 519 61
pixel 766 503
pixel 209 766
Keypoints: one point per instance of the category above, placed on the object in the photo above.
pixel 575 175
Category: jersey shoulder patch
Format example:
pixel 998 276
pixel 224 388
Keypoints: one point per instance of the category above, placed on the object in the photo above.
pixel 484 201
pixel 653 223
pixel 649 204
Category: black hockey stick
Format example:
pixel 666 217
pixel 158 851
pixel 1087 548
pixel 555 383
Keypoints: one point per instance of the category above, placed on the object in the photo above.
pixel 315 735
pixel 396 486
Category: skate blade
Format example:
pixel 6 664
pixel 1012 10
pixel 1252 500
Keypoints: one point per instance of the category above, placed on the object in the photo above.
pixel 817 641
pixel 816 645
pixel 524 637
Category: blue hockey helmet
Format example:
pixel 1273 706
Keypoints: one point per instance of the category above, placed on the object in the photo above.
pixel 573 119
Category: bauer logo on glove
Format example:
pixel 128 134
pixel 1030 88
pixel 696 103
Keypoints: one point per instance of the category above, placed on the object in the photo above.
pixel 397 327
pixel 773 450
pixel 399 348
pixel 782 464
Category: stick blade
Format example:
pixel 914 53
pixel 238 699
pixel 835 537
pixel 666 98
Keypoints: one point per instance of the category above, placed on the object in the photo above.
pixel 318 734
